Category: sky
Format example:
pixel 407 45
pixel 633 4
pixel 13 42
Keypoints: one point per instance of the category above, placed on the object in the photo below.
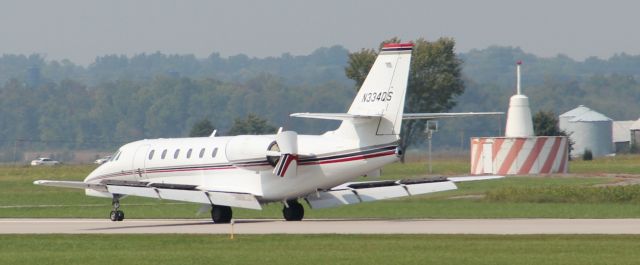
pixel 80 30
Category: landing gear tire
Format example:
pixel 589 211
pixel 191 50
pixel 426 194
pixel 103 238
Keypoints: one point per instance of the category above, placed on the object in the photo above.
pixel 116 215
pixel 113 216
pixel 120 215
pixel 221 214
pixel 295 211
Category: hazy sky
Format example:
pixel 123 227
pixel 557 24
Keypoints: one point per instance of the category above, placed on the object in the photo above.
pixel 80 30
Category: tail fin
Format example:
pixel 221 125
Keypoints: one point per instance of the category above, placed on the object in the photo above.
pixel 383 91
pixel 378 107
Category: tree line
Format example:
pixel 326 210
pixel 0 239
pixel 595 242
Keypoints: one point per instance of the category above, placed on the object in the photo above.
pixel 118 98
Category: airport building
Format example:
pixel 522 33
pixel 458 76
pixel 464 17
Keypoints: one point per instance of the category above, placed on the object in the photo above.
pixel 621 136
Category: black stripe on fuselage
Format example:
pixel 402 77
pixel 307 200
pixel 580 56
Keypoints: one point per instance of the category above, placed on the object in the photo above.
pixel 339 156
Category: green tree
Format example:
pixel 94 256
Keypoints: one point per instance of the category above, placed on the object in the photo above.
pixel 434 80
pixel 201 129
pixel 359 65
pixel 252 124
pixel 545 123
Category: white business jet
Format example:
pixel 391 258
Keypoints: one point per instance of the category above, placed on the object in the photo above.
pixel 248 171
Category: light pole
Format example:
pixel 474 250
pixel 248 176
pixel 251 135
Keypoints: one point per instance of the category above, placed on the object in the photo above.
pixel 432 126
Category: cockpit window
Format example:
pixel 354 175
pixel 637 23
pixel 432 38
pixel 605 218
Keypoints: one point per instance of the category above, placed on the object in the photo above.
pixel 164 154
pixel 201 152
pixel 189 153
pixel 175 155
pixel 118 157
pixel 151 154
pixel 113 157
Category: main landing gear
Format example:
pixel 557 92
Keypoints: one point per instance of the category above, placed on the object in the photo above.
pixel 116 214
pixel 221 214
pixel 293 211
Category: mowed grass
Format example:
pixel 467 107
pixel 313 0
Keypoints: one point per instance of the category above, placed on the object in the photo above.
pixel 620 164
pixel 20 198
pixel 318 249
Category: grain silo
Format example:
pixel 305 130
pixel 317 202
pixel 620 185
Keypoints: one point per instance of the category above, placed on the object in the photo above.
pixel 563 120
pixel 589 130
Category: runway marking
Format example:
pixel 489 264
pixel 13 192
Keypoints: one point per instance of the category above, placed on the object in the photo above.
pixel 323 226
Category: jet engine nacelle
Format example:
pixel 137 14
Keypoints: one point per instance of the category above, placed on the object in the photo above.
pixel 249 151
pixel 278 153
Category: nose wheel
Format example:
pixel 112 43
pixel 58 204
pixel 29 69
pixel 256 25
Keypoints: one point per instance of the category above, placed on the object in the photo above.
pixel 293 211
pixel 116 214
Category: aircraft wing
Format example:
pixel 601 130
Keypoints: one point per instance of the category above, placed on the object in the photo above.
pixel 357 192
pixel 432 116
pixel 176 192
pixel 70 184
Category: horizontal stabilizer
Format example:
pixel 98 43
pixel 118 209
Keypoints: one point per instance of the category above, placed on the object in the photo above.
pixel 334 116
pixel 357 192
pixel 432 116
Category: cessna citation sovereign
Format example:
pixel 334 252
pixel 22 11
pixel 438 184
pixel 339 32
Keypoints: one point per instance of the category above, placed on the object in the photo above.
pixel 248 171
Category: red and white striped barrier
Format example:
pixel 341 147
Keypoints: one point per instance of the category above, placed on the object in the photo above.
pixel 510 156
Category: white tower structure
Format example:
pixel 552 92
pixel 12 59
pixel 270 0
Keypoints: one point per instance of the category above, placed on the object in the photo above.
pixel 519 152
pixel 519 123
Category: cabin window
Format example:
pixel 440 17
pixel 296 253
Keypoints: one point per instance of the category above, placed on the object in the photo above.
pixel 189 153
pixel 164 154
pixel 151 154
pixel 202 153
pixel 215 152
pixel 175 155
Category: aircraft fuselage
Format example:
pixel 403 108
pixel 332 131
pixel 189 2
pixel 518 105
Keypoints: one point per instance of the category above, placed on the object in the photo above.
pixel 213 163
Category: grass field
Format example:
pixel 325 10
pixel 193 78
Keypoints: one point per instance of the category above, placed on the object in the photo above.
pixel 516 197
pixel 317 249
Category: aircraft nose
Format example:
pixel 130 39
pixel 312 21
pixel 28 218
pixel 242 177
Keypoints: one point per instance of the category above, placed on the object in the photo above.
pixel 93 176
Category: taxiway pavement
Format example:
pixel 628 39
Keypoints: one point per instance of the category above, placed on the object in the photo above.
pixel 321 226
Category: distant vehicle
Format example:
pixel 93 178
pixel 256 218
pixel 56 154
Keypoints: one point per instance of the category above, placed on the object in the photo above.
pixel 103 160
pixel 44 161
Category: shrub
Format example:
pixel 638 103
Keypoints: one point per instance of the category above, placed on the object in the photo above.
pixel 587 155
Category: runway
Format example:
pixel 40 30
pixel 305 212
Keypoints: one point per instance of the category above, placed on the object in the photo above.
pixel 328 226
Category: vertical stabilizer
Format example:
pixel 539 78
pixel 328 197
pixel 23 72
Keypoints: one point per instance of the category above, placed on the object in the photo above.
pixel 383 91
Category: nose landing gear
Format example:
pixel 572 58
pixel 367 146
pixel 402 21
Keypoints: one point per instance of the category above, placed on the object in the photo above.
pixel 116 214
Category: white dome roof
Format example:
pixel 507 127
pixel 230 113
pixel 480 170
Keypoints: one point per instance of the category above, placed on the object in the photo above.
pixel 575 112
pixel 584 114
